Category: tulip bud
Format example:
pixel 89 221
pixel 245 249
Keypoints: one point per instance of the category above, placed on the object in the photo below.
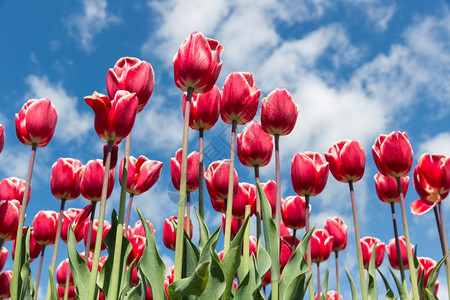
pixel 13 188
pixel 44 224
pixel 254 146
pixel 286 249
pixel 192 176
pixel 3 257
pixel 36 122
pixel 426 266
pixel 246 195
pixel 309 173
pixel 387 189
pixel 347 160
pixel 106 229
pixel 92 180
pixel 61 273
pixel 216 178
pixel 392 253
pixel 218 205
pixel 338 230
pixel 204 111
pixel 5 282
pixel 78 218
pixel 293 211
pixel 10 211
pixel 321 245
pixel 143 173
pixel 169 232
pixel 138 246
pixel 2 137
pixel 434 173
pixel 278 112
pixel 138 228
pixel 71 295
pixel 270 190
pixel 65 178
pixel 367 246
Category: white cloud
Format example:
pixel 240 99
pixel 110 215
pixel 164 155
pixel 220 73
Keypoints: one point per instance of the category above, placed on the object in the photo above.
pixel 439 144
pixel 381 15
pixel 94 19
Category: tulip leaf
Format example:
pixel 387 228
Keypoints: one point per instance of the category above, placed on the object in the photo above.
pixel 297 287
pixel 136 293
pixel 389 293
pixel 323 296
pixel 151 263
pixel 126 280
pixel 194 285
pixel 204 232
pixel 355 295
pixel 250 284
pixel 429 295
pixel 26 285
pixel 190 256
pixel 434 273
pixel 372 281
pixel 401 291
pixel 263 262
pixel 53 291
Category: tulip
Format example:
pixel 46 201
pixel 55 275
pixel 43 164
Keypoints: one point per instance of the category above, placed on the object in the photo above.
pixel 65 178
pixel 106 229
pixel 234 224
pixel 142 174
pixel 9 219
pixel 331 295
pixel 5 282
pixel 35 248
pixel 347 160
pixel 219 206
pixel 246 195
pixel 387 190
pixel 133 75
pixel 71 294
pixel 138 228
pixel 2 137
pixel 293 212
pixel 254 146
pixel 114 119
pixel 367 246
pixel 169 232
pixel 278 112
pixel 434 173
pixel 286 249
pixel 338 230
pixel 13 188
pixel 216 177
pixel 168 280
pixel 61 273
pixel 309 173
pixel 44 225
pixel 269 189
pixel 197 63
pixel 92 180
pixel 3 257
pixel 114 155
pixel 426 266
pixel 392 253
pixel 239 98
pixel 138 246
pixel 36 122
pixel 78 218
pixel 321 245
pixel 192 171
pixel 204 111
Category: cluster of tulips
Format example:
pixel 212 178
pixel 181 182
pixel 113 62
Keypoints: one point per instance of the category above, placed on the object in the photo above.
pixel 132 267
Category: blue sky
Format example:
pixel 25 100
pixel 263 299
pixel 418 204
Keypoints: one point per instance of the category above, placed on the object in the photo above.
pixel 356 69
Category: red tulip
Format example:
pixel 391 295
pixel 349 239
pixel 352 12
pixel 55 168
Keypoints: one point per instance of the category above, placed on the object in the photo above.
pixel 61 273
pixel 435 171
pixel 44 225
pixel 148 293
pixel 234 224
pixel 36 122
pixel 114 119
pixel 197 63
pixel 331 295
pixel 138 246
pixel 133 75
pixel 35 248
pixel 254 146
pixel 253 246
pixel 192 170
pixel 278 112
pixel 387 189
pixel 204 111
pixel 286 249
pixel 270 190
pixel 427 200
pixel 426 266
pixel 284 230
pixel 2 137
pixel 106 229
pixel 246 195
pixel 5 282
pixel 114 155
pixel 392 253
pixel 309 173
pixel 393 154
pixel 3 257
pixel 92 180
pixel 321 245
pixel 367 246
pixel 138 228
pixel 216 178
pixel 71 295
pixel 142 174
pixel 218 205
pixel 169 232
pixel 13 188
pixel 9 219
pixel 347 160
pixel 168 280
pixel 65 178
pixel 293 211
pixel 239 98
pixel 78 218
pixel 338 230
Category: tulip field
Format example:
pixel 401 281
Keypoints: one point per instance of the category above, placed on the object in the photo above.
pixel 267 247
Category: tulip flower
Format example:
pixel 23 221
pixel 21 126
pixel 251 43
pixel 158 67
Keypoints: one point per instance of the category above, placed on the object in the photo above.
pixel 138 246
pixel 5 282
pixel 216 177
pixel 338 230
pixel 36 122
pixel 3 257
pixel 246 195
pixel 78 218
pixel 61 273
pixel 287 247
pixel 347 160
pixel 367 246
pixel 169 232
pixel 9 219
pixel 331 295
pixel 2 137
pixel 106 229
pixel 234 225
pixel 13 188
pixel 219 206
pixel 269 189
pixel 44 225
pixel 142 174
pixel 392 253
pixel 321 245
pixel 426 266
pixel 65 178
pixel 71 293
pixel 293 212
pixel 133 75
pixel 192 170
pixel 114 155
pixel 204 111
pixel 138 228
pixel 254 146
pixel 278 112
pixel 309 173
pixel 387 190
pixel 92 180
pixel 35 248
pixel 114 119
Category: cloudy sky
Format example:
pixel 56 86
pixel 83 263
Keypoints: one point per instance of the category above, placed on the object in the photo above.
pixel 356 69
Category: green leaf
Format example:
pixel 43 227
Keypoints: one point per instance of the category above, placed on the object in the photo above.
pixel 433 275
pixel 401 291
pixel 151 263
pixel 297 287
pixel 26 280
pixel 429 295
pixel 190 256
pixel 389 293
pixel 355 295
pixel 191 286
pixel 53 290
pixel 373 291
pixel 263 262
pixel 204 232
pixel 325 287
pixel 250 284
pixel 135 293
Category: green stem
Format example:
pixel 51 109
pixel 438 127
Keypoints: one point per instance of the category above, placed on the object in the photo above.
pixel 227 239
pixel 181 202
pixel 438 225
pixel 101 218
pixel 445 246
pixel 308 249
pixel 258 210
pixel 200 174
pixel 18 250
pixel 38 277
pixel 337 275
pixel 294 233
pixel 397 244
pixel 188 213
pixel 318 279
pixel 67 284
pixel 245 254
pixel 412 269
pixel 127 219
pixel 277 205
pixel 89 236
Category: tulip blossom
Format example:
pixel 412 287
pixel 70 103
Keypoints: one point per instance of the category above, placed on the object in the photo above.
pixel 61 273
pixel 321 245
pixel 309 173
pixel 246 195
pixel 44 225
pixel 286 249
pixel 234 225
pixel 138 228
pixel 347 160
pixel 114 119
pixel 65 178
pixel 92 180
pixel 138 246
pixel 331 295
pixel 13 188
pixel 192 175
pixel 71 294
pixel 392 253
pixel 36 122
pixel 254 146
pixel 393 154
pixel 2 137
pixel 169 232
pixel 142 174
pixel 338 230
pixel 278 112
pixel 35 248
pixel 216 178
pixel 114 155
pixel 218 205
pixel 239 98
pixel 197 63
pixel 106 229
pixel 293 212
pixel 9 219
pixel 367 246
pixel 204 111
pixel 5 282
pixel 3 257
pixel 269 189
pixel 133 75
pixel 78 218
pixel 387 189
pixel 426 266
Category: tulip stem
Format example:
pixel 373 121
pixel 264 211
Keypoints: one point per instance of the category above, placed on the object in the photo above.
pixel 358 242
pixel 200 174
pixel 188 212
pixel 101 218
pixel 444 236
pixel 181 202
pixel 318 280
pixel 438 224
pixel 336 253
pixel 294 232
pixel 127 219
pixel 56 246
pixel 397 244
pixel 38 277
pixel 67 284
pixel 2 242
pixel 258 210
pixel 412 269
pixel 18 250
pixel 278 203
pixel 228 217
pixel 89 236
pixel 308 248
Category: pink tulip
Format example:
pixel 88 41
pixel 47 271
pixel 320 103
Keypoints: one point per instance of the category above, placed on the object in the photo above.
pixel 71 295
pixel 347 160
pixel 278 112
pixel 331 295
pixel 78 218
pixel 106 229
pixel 36 122
pixel 270 189
pixel 92 180
pixel 218 205
pixel 197 63
pixel 338 230
pixel 2 137
pixel 133 75
pixel 286 249
pixel 61 273
pixel 9 219
pixel 114 119
pixel 13 188
pixel 254 146
pixel 3 257
pixel 367 246
pixel 143 173
pixel 246 195
pixel 138 228
pixel 321 245
pixel 65 178
pixel 169 232
pixel 5 282
pixel 204 111
pixel 216 178
pixel 387 189
pixel 239 98
pixel 393 154
pixel 309 173
pixel 192 179
pixel 293 212
pixel 44 225
pixel 426 266
pixel 434 173
pixel 234 224
pixel 137 250
pixel 392 253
